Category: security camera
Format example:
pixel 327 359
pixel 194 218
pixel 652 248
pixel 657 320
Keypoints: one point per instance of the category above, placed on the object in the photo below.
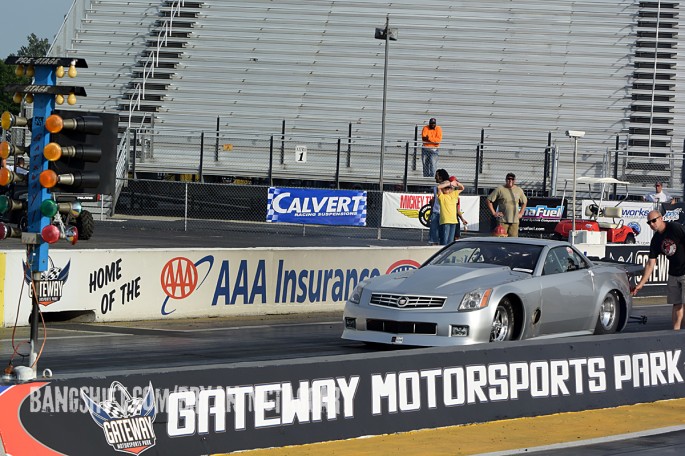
pixel 575 133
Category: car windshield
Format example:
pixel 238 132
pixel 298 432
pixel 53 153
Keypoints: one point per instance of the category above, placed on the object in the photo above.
pixel 520 257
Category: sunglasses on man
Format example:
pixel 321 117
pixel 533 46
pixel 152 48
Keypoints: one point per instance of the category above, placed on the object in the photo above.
pixel 650 221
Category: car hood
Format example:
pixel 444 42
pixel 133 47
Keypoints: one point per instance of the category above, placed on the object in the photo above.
pixel 444 279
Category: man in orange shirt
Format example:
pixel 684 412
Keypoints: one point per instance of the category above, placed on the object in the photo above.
pixel 431 136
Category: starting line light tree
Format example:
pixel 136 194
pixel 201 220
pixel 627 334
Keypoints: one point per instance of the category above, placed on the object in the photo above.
pixel 43 93
pixel 44 224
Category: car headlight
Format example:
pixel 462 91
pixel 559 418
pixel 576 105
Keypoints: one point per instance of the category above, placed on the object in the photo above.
pixel 356 295
pixel 476 299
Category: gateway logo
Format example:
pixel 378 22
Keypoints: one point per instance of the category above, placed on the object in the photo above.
pixel 126 422
pixel 51 283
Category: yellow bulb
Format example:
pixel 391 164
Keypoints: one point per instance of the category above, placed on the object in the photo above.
pixel 59 72
pixel 71 99
pixel 29 98
pixel 6 120
pixel 59 99
pixel 17 98
pixel 30 71
pixel 19 70
pixel 72 71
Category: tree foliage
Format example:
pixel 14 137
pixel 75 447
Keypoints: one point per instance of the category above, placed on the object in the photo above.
pixel 35 47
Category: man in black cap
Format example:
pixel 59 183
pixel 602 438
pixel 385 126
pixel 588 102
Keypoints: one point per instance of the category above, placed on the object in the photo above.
pixel 510 202
pixel 432 137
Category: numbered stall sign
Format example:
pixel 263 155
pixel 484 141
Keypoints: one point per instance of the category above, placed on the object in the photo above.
pixel 301 154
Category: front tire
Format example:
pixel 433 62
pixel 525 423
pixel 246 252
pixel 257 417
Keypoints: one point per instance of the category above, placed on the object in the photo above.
pixel 609 313
pixel 503 324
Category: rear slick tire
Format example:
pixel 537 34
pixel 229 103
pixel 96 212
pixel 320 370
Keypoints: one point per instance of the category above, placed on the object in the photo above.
pixel 85 225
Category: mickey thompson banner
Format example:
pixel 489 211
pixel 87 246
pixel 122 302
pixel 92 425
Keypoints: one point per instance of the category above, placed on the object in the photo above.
pixel 401 210
pixel 271 404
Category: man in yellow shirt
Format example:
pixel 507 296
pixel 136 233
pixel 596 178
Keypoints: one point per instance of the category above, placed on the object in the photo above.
pixel 432 137
pixel 448 195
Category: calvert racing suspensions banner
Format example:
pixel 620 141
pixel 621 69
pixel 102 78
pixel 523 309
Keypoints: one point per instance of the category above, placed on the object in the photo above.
pixel 316 206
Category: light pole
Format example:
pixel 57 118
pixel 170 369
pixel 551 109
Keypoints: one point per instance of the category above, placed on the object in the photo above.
pixel 574 134
pixel 388 34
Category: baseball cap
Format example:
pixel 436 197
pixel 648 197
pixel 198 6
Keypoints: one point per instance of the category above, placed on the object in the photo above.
pixel 453 178
pixel 432 120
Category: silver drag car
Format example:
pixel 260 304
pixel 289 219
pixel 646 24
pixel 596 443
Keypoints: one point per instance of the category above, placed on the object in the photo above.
pixel 491 289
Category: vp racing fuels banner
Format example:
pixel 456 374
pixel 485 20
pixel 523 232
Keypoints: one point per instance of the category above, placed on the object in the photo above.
pixel 316 206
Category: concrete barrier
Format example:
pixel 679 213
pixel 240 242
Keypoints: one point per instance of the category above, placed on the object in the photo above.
pixel 125 284
pixel 222 408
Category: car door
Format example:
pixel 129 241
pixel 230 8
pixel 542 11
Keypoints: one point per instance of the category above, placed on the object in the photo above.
pixel 567 291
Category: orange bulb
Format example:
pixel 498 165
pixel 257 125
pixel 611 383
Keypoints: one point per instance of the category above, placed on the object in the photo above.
pixel 5 177
pixel 52 151
pixel 53 124
pixel 5 149
pixel 47 178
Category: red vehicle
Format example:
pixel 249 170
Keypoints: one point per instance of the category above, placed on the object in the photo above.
pixel 616 230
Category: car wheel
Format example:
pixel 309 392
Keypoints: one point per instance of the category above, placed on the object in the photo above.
pixel 503 324
pixel 630 239
pixel 609 311
pixel 85 225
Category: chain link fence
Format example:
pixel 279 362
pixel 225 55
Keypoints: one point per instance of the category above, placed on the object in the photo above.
pixel 205 179
pixel 194 206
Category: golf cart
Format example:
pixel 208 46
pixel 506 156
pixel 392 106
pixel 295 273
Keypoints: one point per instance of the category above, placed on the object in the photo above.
pixel 616 230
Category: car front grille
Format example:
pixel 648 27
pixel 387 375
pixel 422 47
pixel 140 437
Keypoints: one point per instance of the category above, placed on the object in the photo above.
pixel 402 327
pixel 407 302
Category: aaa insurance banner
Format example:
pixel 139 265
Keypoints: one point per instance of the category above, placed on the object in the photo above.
pixel 316 206
pixel 401 210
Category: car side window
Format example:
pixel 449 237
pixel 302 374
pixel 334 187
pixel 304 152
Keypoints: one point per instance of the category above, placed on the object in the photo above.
pixel 569 259
pixel 552 264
